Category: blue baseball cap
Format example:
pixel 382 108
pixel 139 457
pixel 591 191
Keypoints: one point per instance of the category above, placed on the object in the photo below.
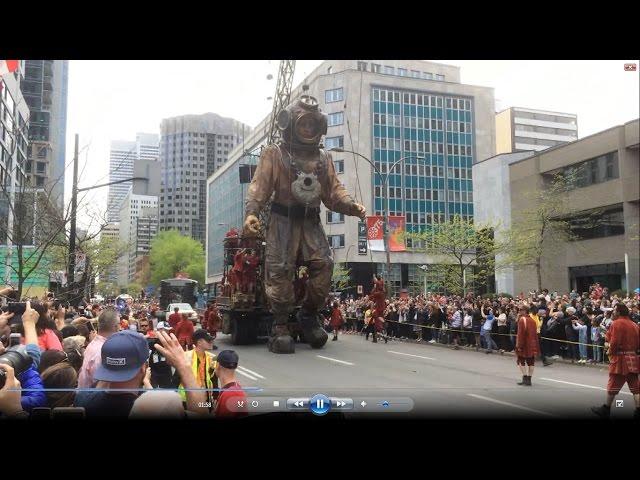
pixel 122 356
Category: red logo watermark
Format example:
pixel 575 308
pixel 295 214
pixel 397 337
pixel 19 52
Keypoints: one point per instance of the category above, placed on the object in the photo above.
pixel 630 67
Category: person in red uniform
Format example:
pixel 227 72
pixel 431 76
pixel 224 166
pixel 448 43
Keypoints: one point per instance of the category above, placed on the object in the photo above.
pixel 213 322
pixel 184 332
pixel 232 401
pixel 526 345
pixel 336 320
pixel 251 262
pixel 237 272
pixel 175 318
pixel 623 338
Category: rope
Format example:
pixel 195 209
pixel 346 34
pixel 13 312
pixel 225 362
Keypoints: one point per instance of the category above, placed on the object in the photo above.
pixel 492 334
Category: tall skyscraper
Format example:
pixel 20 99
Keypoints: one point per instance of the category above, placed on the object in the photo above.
pixel 45 89
pixel 121 166
pixel 522 129
pixel 386 111
pixel 138 226
pixel 192 148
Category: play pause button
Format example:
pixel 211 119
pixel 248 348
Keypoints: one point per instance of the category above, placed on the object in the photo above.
pixel 342 404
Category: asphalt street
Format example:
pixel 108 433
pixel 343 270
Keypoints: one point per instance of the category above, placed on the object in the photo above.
pixel 419 379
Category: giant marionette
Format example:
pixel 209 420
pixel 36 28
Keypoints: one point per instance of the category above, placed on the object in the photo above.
pixel 301 174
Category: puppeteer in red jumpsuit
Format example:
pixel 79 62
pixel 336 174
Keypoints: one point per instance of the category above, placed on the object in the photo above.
pixel 623 338
pixel 527 346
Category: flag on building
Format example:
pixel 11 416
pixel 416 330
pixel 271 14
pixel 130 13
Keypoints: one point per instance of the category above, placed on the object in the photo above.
pixel 8 66
pixel 396 234
pixel 375 233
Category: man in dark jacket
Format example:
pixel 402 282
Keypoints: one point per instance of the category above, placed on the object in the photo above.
pixel 570 333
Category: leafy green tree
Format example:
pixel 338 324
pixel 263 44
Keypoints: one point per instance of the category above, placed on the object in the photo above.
pixel 341 277
pixel 172 252
pixel 544 226
pixel 465 252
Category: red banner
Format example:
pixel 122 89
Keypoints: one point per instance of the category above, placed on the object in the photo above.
pixel 375 233
pixel 8 66
pixel 396 234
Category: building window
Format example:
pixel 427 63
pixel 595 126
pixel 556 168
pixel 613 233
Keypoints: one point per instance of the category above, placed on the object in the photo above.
pixel 331 142
pixel 335 95
pixel 415 74
pixel 362 66
pixel 375 68
pixel 597 224
pixel 440 77
pixel 336 119
pixel 387 70
pixel 593 171
pixel 336 241
pixel 334 217
pixel 402 72
pixel 339 165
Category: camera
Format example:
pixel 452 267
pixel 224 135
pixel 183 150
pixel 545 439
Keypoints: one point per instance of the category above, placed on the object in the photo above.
pixel 17 308
pixel 16 358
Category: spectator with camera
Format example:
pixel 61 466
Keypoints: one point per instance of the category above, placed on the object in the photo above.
pixel 107 325
pixel 25 359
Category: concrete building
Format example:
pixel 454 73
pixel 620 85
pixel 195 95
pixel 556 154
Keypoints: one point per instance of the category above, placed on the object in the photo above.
pixel 123 156
pixel 384 110
pixel 492 204
pixel 606 249
pixel 136 236
pixel 45 89
pixel 519 129
pixel 192 148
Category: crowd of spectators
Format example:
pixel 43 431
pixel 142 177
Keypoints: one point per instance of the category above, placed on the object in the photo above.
pixel 570 325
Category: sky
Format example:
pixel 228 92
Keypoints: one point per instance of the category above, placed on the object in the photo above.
pixel 113 100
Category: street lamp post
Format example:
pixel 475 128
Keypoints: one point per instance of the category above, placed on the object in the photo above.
pixel 74 210
pixel 384 179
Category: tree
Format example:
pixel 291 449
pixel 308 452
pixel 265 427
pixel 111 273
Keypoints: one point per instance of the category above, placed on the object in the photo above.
pixel 341 277
pixel 134 289
pixel 544 226
pixel 465 252
pixel 101 254
pixel 171 253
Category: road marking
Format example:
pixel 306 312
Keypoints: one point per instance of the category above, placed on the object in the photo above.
pixel 250 371
pixel 509 404
pixel 335 360
pixel 410 355
pixel 246 375
pixel 580 385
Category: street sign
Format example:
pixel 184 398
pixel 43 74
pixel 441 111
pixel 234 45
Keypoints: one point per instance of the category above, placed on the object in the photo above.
pixel 362 247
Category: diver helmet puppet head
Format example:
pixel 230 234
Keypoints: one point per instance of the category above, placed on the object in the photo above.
pixel 302 125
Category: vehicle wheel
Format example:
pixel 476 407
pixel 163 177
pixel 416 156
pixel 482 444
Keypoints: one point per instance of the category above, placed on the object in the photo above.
pixel 243 331
pixel 226 323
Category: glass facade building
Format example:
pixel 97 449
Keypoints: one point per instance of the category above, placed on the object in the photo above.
pixel 225 209
pixel 433 134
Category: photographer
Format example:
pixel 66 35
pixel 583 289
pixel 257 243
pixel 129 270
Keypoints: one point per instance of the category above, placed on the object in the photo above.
pixel 29 356
pixel 10 406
